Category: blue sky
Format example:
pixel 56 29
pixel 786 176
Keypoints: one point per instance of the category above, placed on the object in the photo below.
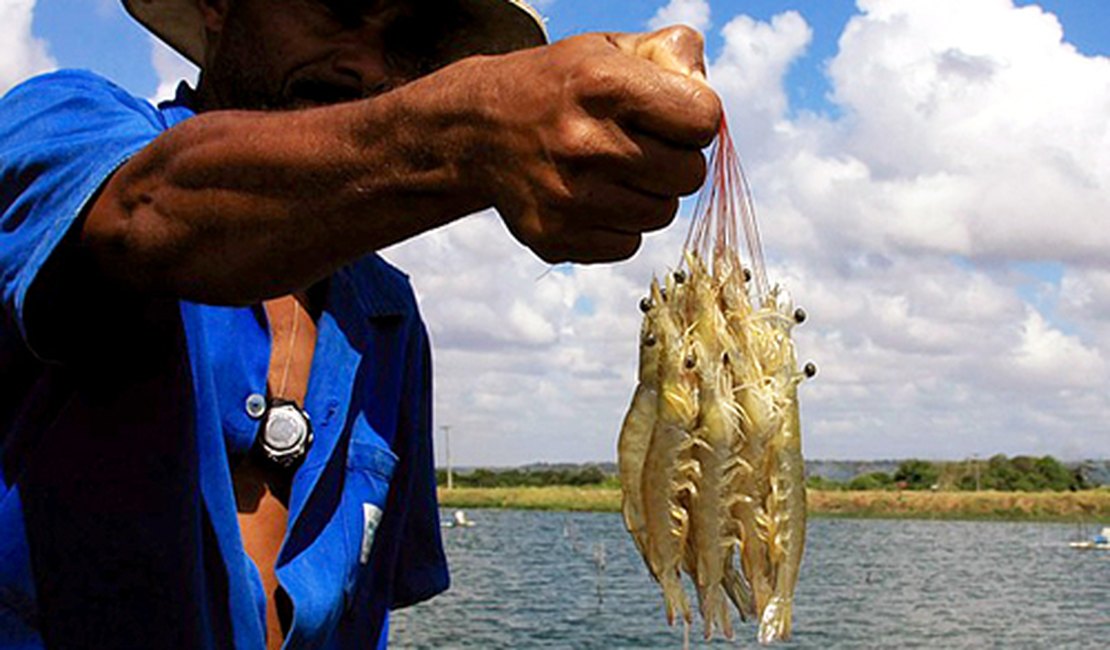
pixel 97 34
pixel 933 184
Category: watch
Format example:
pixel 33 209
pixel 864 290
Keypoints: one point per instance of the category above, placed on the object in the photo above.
pixel 286 433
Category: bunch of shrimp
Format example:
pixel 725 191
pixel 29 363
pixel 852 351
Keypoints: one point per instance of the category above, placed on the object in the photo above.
pixel 710 451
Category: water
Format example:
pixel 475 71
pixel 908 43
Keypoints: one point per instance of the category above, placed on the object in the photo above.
pixel 532 580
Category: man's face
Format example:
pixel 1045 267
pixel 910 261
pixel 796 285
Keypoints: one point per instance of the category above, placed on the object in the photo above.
pixel 284 54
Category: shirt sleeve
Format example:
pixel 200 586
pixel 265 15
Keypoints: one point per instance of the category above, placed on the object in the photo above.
pixel 62 135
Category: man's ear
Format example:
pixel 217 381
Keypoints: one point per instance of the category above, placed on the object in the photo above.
pixel 214 13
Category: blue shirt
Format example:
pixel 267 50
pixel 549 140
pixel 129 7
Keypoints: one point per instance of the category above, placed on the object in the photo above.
pixel 121 417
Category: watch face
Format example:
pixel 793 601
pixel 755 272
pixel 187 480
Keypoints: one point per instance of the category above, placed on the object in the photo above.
pixel 284 429
pixel 287 434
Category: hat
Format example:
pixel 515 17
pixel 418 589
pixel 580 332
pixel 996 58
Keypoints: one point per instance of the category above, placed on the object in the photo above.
pixel 489 27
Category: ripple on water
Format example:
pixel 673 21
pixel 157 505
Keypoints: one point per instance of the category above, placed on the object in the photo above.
pixel 530 580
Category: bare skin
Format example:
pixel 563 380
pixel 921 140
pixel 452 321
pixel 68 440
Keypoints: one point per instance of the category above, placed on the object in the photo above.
pixel 315 145
pixel 263 517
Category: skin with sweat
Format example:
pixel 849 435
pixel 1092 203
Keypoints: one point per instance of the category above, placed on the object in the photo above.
pixel 317 142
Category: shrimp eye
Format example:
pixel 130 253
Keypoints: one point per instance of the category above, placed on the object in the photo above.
pixel 690 362
pixel 645 304
pixel 724 358
pixel 747 275
pixel 649 340
pixel 679 276
pixel 810 369
pixel 663 292
pixel 799 315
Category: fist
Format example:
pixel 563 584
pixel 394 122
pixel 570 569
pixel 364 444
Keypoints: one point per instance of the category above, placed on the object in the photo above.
pixel 589 143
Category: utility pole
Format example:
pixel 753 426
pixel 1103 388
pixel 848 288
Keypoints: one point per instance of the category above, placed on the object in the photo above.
pixel 447 448
pixel 976 457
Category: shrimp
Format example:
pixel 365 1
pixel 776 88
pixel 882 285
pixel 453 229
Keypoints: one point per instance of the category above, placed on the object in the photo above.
pixel 668 469
pixel 716 441
pixel 632 446
pixel 787 509
pixel 747 480
pixel 786 503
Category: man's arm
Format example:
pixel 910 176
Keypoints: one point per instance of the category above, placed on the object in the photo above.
pixel 581 146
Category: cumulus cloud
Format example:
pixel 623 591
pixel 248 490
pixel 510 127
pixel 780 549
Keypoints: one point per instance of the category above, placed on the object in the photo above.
pixel 1054 359
pixel 23 54
pixel 1002 130
pixel 961 154
pixel 945 230
pixel 749 72
pixel 694 13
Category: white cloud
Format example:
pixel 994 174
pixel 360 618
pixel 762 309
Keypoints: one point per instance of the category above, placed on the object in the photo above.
pixel 1051 359
pixel 901 221
pixel 1002 130
pixel 750 69
pixel 694 13
pixel 22 55
pixel 970 141
pixel 171 68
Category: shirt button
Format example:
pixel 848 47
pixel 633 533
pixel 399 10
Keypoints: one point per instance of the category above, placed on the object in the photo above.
pixel 256 405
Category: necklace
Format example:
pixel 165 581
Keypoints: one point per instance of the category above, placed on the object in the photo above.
pixel 291 348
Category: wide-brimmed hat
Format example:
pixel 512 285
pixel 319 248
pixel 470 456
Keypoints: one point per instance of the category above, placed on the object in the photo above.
pixel 486 26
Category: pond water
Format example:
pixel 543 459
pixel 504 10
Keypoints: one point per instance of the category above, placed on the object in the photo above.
pixel 525 579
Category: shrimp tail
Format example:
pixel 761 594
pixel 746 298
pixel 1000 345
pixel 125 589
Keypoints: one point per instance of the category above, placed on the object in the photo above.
pixel 674 598
pixel 775 623
pixel 738 591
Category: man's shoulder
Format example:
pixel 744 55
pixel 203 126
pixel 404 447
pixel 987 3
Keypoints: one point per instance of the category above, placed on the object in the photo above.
pixel 383 289
pixel 70 80
pixel 72 93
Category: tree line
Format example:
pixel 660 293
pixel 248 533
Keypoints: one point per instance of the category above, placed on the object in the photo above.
pixel 488 478
pixel 1017 474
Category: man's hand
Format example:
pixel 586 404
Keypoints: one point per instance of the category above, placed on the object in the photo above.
pixel 591 141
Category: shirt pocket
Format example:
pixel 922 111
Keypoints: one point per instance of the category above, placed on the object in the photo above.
pixel 370 465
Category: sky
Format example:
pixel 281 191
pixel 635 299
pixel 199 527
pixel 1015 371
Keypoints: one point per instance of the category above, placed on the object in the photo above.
pixel 932 181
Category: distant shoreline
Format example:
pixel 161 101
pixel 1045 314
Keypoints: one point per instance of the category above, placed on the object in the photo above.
pixel 1086 505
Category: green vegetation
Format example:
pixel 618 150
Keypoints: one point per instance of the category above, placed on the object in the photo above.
pixel 1017 474
pixel 1022 474
pixel 1019 488
pixel 488 478
pixel 917 475
pixel 870 481
pixel 822 483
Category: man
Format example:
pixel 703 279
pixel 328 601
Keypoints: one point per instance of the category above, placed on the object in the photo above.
pixel 215 427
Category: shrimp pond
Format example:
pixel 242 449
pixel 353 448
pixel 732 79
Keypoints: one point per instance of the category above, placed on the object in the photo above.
pixel 540 579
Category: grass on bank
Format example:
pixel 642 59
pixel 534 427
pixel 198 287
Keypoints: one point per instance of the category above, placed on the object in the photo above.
pixel 1041 506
